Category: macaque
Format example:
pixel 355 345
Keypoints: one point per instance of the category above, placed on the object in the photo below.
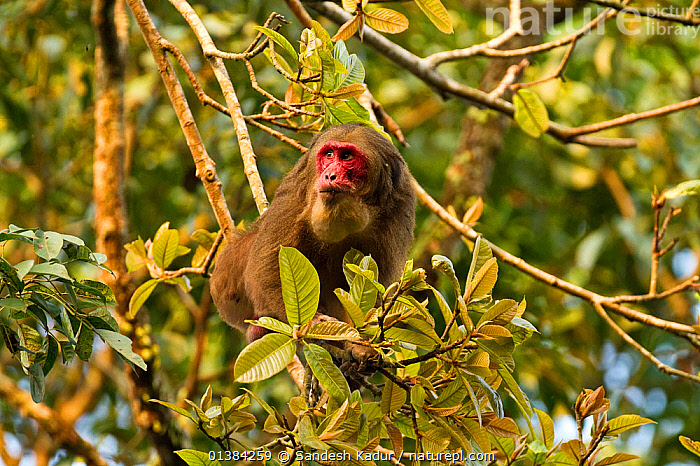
pixel 351 189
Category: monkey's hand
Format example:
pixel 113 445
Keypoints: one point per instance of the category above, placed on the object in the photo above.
pixel 365 355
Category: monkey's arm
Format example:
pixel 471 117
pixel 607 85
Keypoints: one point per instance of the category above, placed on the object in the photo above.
pixel 228 283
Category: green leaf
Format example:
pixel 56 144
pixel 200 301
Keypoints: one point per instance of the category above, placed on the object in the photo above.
pixel 67 351
pixel 141 295
pixel 437 13
pixel 444 265
pixel 687 188
pixel 530 113
pixel 300 286
pixel 353 310
pixel 122 345
pixel 501 313
pixel 260 401
pixel 626 422
pixel 452 395
pixel 483 281
pixel 86 337
pixel 515 391
pixel 333 330
pixel 264 358
pixel 327 71
pixel 196 458
pixel 15 304
pixel 280 40
pixel 165 248
pixel 51 354
pixel 272 324
pixel 37 385
pixel 308 435
pixel 692 445
pixel 50 268
pixel 328 375
pixel 176 408
pixel 409 336
pixel 355 74
pixel 393 397
pixel 23 268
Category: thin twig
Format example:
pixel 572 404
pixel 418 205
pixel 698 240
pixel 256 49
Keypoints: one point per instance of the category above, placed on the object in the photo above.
pixel 217 64
pixel 597 305
pixel 686 331
pixel 557 73
pixel 655 13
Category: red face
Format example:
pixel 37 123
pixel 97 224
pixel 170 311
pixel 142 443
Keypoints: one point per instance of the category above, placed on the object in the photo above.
pixel 340 166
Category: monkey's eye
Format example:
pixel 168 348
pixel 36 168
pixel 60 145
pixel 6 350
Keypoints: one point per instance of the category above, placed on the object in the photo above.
pixel 346 155
pixel 329 154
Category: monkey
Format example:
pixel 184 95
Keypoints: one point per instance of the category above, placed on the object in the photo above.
pixel 351 189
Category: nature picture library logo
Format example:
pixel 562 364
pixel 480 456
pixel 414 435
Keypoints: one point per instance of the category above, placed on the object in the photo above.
pixel 555 20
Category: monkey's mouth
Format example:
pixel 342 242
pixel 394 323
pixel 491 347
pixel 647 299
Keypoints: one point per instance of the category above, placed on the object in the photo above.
pixel 333 191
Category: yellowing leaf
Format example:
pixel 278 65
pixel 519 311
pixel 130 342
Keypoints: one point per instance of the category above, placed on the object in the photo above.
pixel 483 282
pixel 393 397
pixel 692 445
pixel 474 213
pixel 386 20
pixel 573 449
pixel 350 5
pixel 346 92
pixel 616 458
pixel 504 427
pixel 437 13
pixel 547 426
pixel 347 29
pixel 530 113
pixel 333 330
pixel 626 422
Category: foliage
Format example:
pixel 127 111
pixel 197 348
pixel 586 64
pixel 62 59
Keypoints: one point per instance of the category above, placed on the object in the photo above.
pixel 440 393
pixel 45 305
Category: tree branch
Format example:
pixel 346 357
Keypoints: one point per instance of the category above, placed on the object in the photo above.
pixel 49 421
pixel 423 69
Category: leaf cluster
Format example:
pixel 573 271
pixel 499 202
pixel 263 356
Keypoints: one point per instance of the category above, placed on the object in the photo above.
pixel 45 308
pixel 440 393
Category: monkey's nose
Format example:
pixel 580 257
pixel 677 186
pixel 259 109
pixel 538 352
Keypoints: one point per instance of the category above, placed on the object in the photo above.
pixel 331 176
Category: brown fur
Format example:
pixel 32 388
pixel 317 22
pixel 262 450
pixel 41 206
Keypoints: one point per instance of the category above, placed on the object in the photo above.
pixel 246 282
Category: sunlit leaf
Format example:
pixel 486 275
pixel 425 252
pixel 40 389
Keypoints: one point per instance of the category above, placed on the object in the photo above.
pixel 196 458
pixel 356 314
pixel 176 408
pixel 386 20
pixel 280 40
pixel 625 422
pixel 264 358
pixel 687 188
pixel 272 324
pixel 692 445
pixel 300 286
pixel 437 13
pixel 141 295
pixel 616 458
pixel 547 426
pixel 122 345
pixel 347 29
pixel 333 330
pixel 530 113
pixel 165 248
